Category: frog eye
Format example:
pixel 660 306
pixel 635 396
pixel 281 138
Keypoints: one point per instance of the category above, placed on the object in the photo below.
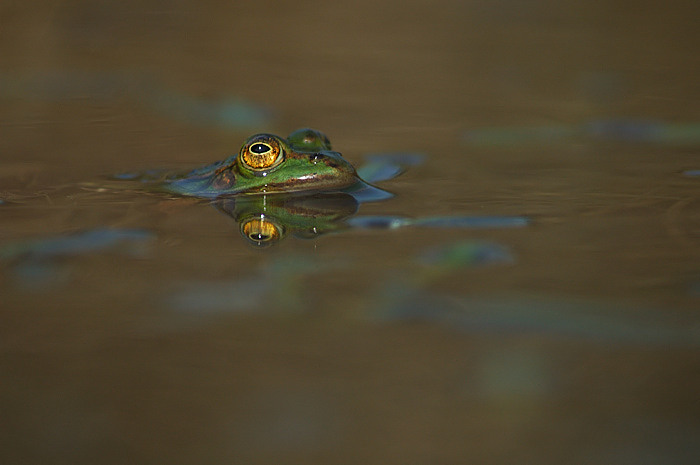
pixel 261 153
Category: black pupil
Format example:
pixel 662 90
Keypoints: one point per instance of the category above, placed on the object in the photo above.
pixel 259 148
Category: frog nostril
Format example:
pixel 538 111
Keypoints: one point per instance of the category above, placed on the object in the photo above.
pixel 316 157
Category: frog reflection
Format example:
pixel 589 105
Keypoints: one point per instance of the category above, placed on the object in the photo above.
pixel 267 219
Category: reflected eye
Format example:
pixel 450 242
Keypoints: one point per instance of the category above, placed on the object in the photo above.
pixel 261 153
pixel 261 231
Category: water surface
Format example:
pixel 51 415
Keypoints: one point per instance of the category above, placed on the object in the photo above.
pixel 143 327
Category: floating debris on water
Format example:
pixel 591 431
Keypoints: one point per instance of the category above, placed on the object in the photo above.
pixel 225 111
pixel 379 167
pixel 279 285
pixel 466 222
pixel 571 319
pixel 33 264
pixel 91 241
pixel 403 158
pixel 211 298
pixel 466 254
pixel 622 130
pixel 62 85
pixel 514 135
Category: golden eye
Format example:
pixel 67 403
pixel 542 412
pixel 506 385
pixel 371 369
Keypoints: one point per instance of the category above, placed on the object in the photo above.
pixel 261 231
pixel 262 152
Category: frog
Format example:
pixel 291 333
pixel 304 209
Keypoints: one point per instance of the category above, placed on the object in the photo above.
pixel 267 164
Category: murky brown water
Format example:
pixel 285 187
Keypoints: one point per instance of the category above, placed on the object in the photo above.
pixel 183 344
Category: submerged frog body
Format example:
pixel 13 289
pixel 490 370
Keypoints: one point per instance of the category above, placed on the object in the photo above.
pixel 268 164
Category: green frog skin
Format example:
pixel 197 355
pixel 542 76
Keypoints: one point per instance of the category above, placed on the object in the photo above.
pixel 269 164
